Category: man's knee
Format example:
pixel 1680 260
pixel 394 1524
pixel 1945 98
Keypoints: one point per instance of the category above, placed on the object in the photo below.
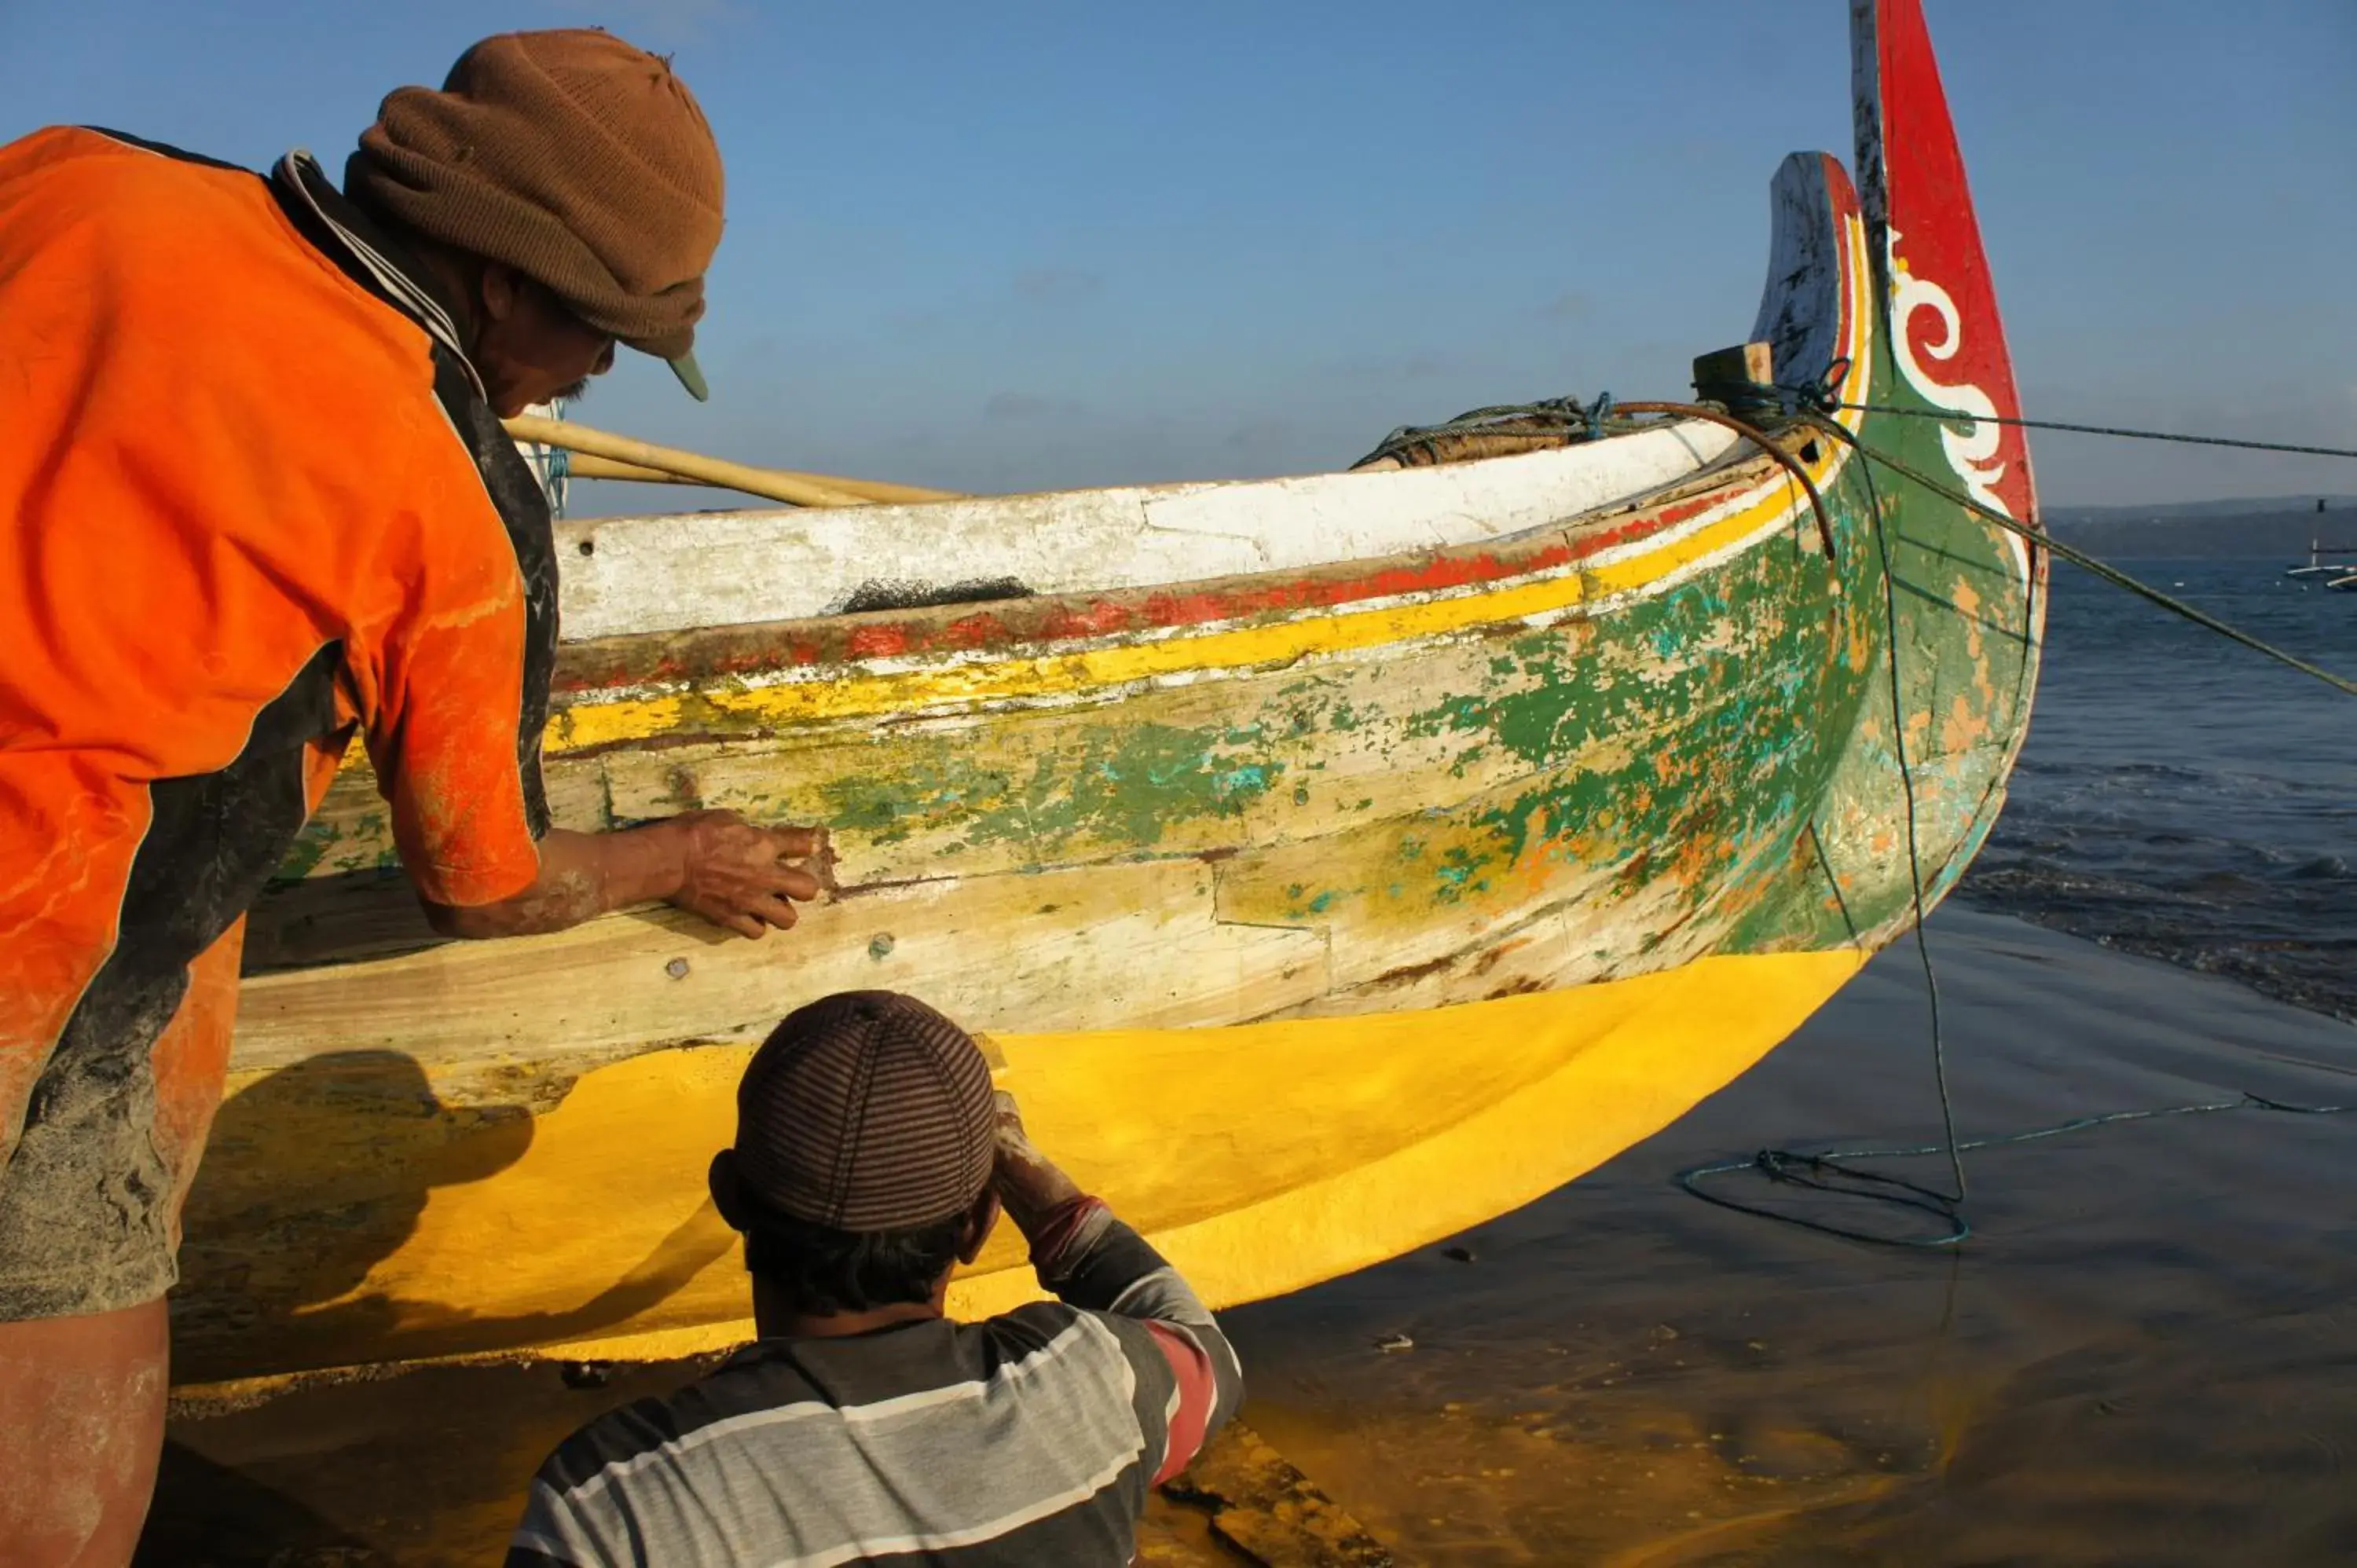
pixel 81 1422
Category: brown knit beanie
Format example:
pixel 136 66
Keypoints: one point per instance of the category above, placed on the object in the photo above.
pixel 575 158
pixel 867 1110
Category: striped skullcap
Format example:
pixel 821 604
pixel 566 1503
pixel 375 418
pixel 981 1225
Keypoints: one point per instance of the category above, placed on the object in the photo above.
pixel 867 1110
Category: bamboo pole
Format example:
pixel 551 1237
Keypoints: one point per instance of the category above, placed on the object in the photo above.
pixel 586 465
pixel 583 465
pixel 776 484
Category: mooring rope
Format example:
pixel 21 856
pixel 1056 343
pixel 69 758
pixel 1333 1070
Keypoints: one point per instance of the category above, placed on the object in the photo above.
pixel 2042 540
pixel 1827 1171
pixel 1814 403
pixel 2131 434
pixel 1821 396
pixel 1824 1172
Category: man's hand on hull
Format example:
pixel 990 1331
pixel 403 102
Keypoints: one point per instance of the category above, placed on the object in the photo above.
pixel 749 878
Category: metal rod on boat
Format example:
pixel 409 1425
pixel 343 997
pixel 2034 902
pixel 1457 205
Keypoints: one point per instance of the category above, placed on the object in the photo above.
pixel 776 484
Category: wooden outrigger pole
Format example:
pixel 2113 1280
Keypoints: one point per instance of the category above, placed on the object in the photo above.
pixel 601 455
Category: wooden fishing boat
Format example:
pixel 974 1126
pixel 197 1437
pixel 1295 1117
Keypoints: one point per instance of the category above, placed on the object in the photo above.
pixel 1336 861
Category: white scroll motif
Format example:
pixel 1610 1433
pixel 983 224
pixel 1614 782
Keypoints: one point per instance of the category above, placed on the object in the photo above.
pixel 1972 449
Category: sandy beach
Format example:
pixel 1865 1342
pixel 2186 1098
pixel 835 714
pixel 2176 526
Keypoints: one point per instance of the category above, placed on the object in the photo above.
pixel 2143 1354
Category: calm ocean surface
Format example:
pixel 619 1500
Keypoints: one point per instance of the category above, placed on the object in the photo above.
pixel 2185 799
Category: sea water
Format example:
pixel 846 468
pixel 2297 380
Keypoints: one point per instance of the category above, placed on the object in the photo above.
pixel 2186 798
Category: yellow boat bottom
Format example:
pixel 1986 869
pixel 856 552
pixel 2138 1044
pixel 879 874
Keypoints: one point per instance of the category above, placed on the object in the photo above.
pixel 1259 1157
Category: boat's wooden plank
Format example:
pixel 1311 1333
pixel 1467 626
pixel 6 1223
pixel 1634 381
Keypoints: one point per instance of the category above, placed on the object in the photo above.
pixel 335 919
pixel 1277 754
pixel 1538 954
pixel 1167 772
pixel 1204 768
pixel 1403 896
pixel 1135 943
pixel 1175 767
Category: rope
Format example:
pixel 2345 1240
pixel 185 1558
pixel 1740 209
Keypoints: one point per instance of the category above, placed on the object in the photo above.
pixel 2092 429
pixel 1758 437
pixel 2040 539
pixel 1583 421
pixel 1823 1172
pixel 1819 396
pixel 1826 1172
pixel 1914 851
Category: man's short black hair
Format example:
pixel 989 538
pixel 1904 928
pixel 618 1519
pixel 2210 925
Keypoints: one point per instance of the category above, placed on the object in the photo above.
pixel 822 1271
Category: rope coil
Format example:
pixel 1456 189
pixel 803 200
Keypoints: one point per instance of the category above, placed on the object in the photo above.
pixel 1546 420
pixel 1826 1171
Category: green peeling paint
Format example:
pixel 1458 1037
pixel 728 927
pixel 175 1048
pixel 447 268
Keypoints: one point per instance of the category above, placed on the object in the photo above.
pixel 1668 758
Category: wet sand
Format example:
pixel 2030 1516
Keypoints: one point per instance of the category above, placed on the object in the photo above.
pixel 2147 1354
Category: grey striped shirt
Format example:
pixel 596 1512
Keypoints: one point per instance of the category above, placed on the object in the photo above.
pixel 1032 1438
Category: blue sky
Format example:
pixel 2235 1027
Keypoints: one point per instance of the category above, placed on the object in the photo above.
pixel 1022 246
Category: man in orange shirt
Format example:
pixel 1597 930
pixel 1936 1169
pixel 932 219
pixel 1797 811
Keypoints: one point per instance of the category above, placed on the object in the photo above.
pixel 204 594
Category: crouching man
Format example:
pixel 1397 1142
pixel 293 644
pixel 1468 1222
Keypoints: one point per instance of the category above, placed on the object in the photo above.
pixel 863 1425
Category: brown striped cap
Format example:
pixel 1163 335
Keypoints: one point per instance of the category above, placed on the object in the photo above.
pixel 867 1110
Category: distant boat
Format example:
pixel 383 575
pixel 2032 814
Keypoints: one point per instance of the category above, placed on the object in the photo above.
pixel 2339 575
pixel 1336 861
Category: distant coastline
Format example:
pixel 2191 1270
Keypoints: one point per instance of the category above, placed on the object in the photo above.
pixel 2276 528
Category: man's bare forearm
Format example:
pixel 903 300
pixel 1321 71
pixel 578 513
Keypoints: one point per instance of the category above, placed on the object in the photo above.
pixel 713 863
pixel 582 876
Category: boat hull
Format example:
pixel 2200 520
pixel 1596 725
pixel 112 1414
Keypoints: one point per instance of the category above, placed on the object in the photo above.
pixel 1318 912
